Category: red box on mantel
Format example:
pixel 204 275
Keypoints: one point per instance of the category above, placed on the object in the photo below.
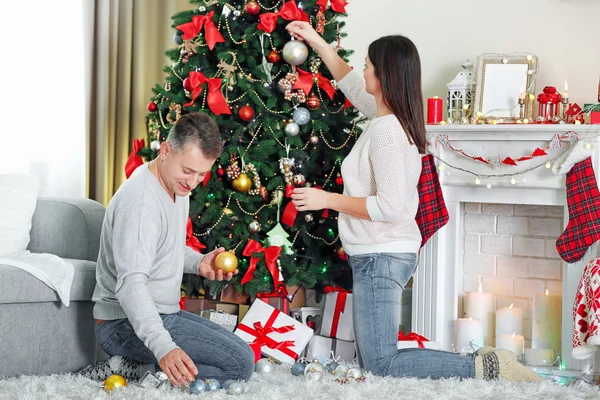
pixel 595 117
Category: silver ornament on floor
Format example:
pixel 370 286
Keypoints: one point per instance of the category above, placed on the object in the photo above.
pixel 314 367
pixel 354 373
pixel 295 52
pixel 198 386
pixel 301 116
pixel 254 226
pixel 331 366
pixel 235 388
pixel 214 385
pixel 292 129
pixel 264 366
pixel 341 370
pixel 314 376
pixel 298 369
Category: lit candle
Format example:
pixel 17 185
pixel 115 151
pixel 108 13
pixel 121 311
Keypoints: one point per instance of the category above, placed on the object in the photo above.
pixel 566 93
pixel 467 332
pixel 547 322
pixel 434 110
pixel 480 305
pixel 514 343
pixel 522 95
pixel 539 357
pixel 509 320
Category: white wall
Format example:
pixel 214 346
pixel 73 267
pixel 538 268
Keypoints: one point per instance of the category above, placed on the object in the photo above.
pixel 562 33
pixel 43 130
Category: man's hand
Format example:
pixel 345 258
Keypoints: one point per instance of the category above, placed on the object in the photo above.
pixel 179 367
pixel 208 269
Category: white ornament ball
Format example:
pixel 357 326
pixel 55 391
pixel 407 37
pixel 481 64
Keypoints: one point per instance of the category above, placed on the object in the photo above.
pixel 292 129
pixel 236 388
pixel 354 373
pixel 264 366
pixel 341 370
pixel 295 52
pixel 314 367
pixel 301 116
pixel 314 376
pixel 155 145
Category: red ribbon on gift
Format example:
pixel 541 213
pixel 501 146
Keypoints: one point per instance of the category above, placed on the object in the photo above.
pixel 182 303
pixel 211 33
pixel 291 212
pixel 340 304
pixel 262 339
pixel 336 5
pixel 306 80
pixel 289 11
pixel 413 337
pixel 192 241
pixel 279 292
pixel 216 101
pixel 134 161
pixel 271 255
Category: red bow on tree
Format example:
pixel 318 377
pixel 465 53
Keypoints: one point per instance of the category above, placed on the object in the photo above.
pixel 291 212
pixel 211 33
pixel 216 101
pixel 289 12
pixel 134 161
pixel 336 5
pixel 305 81
pixel 271 255
pixel 192 241
pixel 413 337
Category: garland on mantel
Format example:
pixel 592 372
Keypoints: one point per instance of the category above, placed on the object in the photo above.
pixel 497 161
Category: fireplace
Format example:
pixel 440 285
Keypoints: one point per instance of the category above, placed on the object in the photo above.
pixel 438 285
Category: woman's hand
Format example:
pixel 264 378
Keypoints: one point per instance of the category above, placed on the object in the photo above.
pixel 304 31
pixel 309 199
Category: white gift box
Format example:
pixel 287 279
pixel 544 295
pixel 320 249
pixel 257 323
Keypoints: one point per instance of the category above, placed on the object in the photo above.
pixel 339 325
pixel 279 329
pixel 227 321
pixel 322 347
pixel 407 344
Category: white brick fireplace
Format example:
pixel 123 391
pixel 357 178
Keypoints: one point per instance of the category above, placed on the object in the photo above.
pixel 503 235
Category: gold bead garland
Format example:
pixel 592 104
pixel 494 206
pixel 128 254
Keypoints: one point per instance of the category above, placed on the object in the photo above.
pixel 218 221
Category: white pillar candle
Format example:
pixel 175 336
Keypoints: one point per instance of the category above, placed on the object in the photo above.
pixel 547 322
pixel 480 305
pixel 514 343
pixel 539 357
pixel 467 332
pixel 509 320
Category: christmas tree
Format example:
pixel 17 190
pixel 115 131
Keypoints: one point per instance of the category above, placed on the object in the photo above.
pixel 284 124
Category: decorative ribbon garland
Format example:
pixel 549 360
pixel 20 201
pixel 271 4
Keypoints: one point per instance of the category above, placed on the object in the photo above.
pixel 289 12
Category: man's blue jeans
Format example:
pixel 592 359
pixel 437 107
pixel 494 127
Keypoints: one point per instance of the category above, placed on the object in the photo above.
pixel 217 353
pixel 379 279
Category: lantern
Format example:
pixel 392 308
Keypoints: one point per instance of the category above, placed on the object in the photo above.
pixel 548 106
pixel 460 93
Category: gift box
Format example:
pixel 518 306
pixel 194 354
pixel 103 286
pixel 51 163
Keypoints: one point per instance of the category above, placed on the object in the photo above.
pixel 309 316
pixel 324 348
pixel 242 312
pixel 273 333
pixel 229 295
pixel 196 306
pixel 227 321
pixel 298 294
pixel 413 340
pixel 337 315
pixel 276 299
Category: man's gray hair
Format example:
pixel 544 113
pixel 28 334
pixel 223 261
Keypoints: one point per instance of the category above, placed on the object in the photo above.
pixel 196 129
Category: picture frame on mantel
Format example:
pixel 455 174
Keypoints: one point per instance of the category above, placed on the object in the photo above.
pixel 500 80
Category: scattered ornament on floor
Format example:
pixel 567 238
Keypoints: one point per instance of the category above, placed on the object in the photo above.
pixel 265 365
pixel 113 382
pixel 235 388
pixel 198 386
pixel 213 385
pixel 314 367
pixel 354 373
pixel 301 116
pixel 254 226
pixel 226 261
pixel 298 369
pixel 341 370
pixel 330 367
pixel 314 376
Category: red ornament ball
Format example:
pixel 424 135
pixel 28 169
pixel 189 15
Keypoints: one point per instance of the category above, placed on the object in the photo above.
pixel 339 181
pixel 273 57
pixel 187 85
pixel 152 106
pixel 313 102
pixel 246 113
pixel 252 7
pixel 220 172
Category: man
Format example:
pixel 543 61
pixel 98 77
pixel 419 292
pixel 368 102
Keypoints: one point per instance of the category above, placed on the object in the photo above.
pixel 140 266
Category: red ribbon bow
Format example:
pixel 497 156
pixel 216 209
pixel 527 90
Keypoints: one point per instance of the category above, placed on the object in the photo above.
pixel 192 241
pixel 291 212
pixel 413 337
pixel 216 101
pixel 279 293
pixel 336 5
pixel 340 305
pixel 289 12
pixel 211 33
pixel 271 255
pixel 134 161
pixel 262 339
pixel 305 81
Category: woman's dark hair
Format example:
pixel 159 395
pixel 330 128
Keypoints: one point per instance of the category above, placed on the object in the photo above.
pixel 398 67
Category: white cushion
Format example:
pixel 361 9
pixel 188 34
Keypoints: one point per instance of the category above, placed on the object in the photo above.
pixel 18 199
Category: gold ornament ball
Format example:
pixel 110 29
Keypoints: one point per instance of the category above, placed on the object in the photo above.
pixel 226 261
pixel 113 382
pixel 242 183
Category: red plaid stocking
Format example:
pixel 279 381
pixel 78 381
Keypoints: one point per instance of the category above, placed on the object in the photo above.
pixel 432 213
pixel 583 200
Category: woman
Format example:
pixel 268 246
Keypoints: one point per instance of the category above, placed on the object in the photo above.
pixel 377 210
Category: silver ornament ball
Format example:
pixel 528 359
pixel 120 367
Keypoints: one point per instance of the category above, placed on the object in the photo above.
pixel 314 367
pixel 236 388
pixel 254 226
pixel 292 129
pixel 264 366
pixel 314 376
pixel 331 366
pixel 341 370
pixel 295 52
pixel 298 369
pixel 354 373
pixel 308 218
pixel 198 386
pixel 314 139
pixel 301 116
pixel 214 385
pixel 155 145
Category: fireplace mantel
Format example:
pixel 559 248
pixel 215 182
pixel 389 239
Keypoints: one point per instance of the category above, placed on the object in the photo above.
pixel 438 282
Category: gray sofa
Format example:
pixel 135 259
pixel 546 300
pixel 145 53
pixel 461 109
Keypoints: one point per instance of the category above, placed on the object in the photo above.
pixel 38 334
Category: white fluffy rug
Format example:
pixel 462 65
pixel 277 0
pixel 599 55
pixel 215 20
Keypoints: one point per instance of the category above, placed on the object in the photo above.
pixel 282 385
